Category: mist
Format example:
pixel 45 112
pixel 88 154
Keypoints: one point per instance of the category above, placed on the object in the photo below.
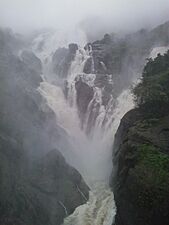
pixel 84 125
pixel 94 16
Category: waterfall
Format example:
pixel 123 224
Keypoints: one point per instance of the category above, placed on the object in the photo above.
pixel 76 69
pixel 92 152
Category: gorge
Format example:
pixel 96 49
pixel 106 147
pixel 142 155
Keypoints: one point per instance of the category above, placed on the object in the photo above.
pixel 62 100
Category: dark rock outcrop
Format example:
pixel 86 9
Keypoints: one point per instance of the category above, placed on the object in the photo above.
pixel 85 94
pixel 44 193
pixel 73 48
pixel 62 59
pixel 60 62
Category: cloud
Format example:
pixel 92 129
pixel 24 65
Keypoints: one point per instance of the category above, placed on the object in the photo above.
pixel 23 15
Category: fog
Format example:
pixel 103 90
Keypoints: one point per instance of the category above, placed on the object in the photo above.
pixel 59 98
pixel 93 15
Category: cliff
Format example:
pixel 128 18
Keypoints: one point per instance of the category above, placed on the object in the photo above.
pixel 37 186
pixel 44 192
pixel 141 151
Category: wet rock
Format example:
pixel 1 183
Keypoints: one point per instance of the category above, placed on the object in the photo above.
pixel 32 61
pixel 141 176
pixel 73 48
pixel 85 94
pixel 62 60
pixel 44 193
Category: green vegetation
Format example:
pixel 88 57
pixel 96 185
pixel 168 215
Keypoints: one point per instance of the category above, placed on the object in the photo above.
pixel 152 93
pixel 152 172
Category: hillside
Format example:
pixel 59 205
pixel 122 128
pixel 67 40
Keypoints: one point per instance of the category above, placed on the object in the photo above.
pixel 37 186
pixel 141 151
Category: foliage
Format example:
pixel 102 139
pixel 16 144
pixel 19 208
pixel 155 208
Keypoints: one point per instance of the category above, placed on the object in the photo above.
pixel 153 175
pixel 152 93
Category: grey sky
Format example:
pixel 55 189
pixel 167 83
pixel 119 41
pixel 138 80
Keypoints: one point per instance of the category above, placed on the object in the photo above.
pixel 27 14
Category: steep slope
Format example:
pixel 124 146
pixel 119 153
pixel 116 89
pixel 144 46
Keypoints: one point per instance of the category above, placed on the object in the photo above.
pixel 42 193
pixel 37 186
pixel 141 151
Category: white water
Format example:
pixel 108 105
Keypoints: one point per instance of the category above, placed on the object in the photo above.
pixel 100 209
pixel 94 152
pixel 155 51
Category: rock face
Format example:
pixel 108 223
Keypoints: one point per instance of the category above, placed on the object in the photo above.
pixel 141 151
pixel 63 185
pixel 85 94
pixel 141 179
pixel 37 186
pixel 44 194
pixel 62 59
pixel 60 62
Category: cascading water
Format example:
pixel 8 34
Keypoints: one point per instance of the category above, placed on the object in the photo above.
pixel 93 152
